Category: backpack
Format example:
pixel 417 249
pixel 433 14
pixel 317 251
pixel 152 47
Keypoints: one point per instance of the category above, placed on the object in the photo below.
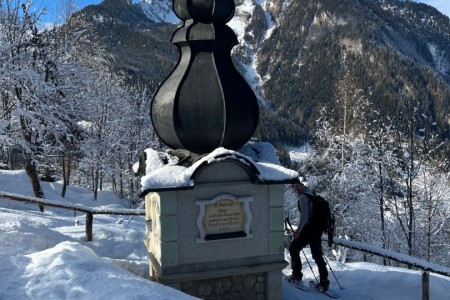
pixel 322 217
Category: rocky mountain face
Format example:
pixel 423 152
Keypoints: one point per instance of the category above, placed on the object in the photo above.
pixel 391 51
pixel 131 39
pixel 299 56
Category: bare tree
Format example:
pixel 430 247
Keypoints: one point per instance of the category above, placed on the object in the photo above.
pixel 65 9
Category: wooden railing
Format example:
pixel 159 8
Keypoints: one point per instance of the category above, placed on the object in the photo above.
pixel 90 211
pixel 414 262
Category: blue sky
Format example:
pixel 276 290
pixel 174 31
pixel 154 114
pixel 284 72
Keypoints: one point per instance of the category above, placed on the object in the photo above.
pixel 51 14
pixel 50 6
pixel 442 5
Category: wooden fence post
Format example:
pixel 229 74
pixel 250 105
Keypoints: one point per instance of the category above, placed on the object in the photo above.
pixel 425 285
pixel 89 221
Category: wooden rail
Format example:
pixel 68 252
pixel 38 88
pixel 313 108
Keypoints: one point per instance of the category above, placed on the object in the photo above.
pixel 90 211
pixel 421 264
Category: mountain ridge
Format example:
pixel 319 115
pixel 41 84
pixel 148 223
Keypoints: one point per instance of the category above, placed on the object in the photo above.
pixel 300 56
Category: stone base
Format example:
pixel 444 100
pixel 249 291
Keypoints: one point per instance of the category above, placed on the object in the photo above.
pixel 248 286
pixel 246 282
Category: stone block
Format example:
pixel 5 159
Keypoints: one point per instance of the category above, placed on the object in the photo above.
pixel 276 195
pixel 276 242
pixel 276 218
pixel 169 254
pixel 169 228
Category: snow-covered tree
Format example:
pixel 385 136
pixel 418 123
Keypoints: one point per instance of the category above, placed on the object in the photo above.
pixel 40 89
pixel 386 183
pixel 120 129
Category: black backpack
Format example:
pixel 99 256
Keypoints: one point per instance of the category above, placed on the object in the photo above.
pixel 322 217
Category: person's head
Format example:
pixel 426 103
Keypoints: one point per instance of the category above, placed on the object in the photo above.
pixel 298 187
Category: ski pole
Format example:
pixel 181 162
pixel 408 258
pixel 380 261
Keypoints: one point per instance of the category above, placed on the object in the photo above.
pixel 286 220
pixel 326 260
pixel 310 266
pixel 285 224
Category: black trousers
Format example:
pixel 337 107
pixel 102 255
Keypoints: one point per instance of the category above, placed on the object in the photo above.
pixel 313 239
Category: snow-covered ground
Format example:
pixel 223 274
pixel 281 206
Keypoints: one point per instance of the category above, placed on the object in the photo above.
pixel 45 256
pixel 298 154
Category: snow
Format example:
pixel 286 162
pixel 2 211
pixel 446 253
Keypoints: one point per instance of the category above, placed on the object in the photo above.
pixel 239 23
pixel 439 59
pixel 370 281
pixel 159 11
pixel 394 255
pixel 98 18
pixel 261 155
pixel 45 256
pixel 298 154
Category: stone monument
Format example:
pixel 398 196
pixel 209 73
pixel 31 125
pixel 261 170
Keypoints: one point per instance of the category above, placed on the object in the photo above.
pixel 214 204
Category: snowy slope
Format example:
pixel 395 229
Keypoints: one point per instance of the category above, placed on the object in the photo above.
pixel 159 11
pixel 45 256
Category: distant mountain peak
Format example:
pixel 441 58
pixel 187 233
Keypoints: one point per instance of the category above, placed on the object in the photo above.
pixel 159 11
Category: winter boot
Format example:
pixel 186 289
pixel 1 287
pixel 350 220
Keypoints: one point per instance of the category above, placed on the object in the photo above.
pixel 323 285
pixel 297 270
pixel 298 282
pixel 293 278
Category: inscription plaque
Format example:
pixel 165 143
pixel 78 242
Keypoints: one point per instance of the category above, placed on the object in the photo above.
pixel 224 217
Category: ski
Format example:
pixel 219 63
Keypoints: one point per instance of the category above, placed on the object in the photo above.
pixel 298 284
pixel 330 292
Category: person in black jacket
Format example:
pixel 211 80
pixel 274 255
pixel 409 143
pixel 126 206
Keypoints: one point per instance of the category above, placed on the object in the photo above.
pixel 305 235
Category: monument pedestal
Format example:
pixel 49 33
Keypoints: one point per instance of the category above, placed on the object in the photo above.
pixel 222 237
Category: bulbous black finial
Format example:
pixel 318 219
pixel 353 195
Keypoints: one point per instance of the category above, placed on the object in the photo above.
pixel 205 11
pixel 204 103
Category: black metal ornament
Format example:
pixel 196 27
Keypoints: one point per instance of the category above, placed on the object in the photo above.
pixel 204 103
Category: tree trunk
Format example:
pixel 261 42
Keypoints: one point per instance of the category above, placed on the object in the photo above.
pixel 381 205
pixel 96 181
pixel 131 182
pixel 10 158
pixel 31 170
pixel 410 194
pixel 63 171
pixel 114 184
pixel 100 180
pixel 93 178
pixel 69 167
pixel 121 185
pixel 344 132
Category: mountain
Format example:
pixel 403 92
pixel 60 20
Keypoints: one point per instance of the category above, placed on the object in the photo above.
pixel 300 56
pixel 393 51
pixel 133 39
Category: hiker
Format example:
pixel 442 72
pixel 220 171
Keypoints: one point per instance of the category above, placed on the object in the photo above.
pixel 307 234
